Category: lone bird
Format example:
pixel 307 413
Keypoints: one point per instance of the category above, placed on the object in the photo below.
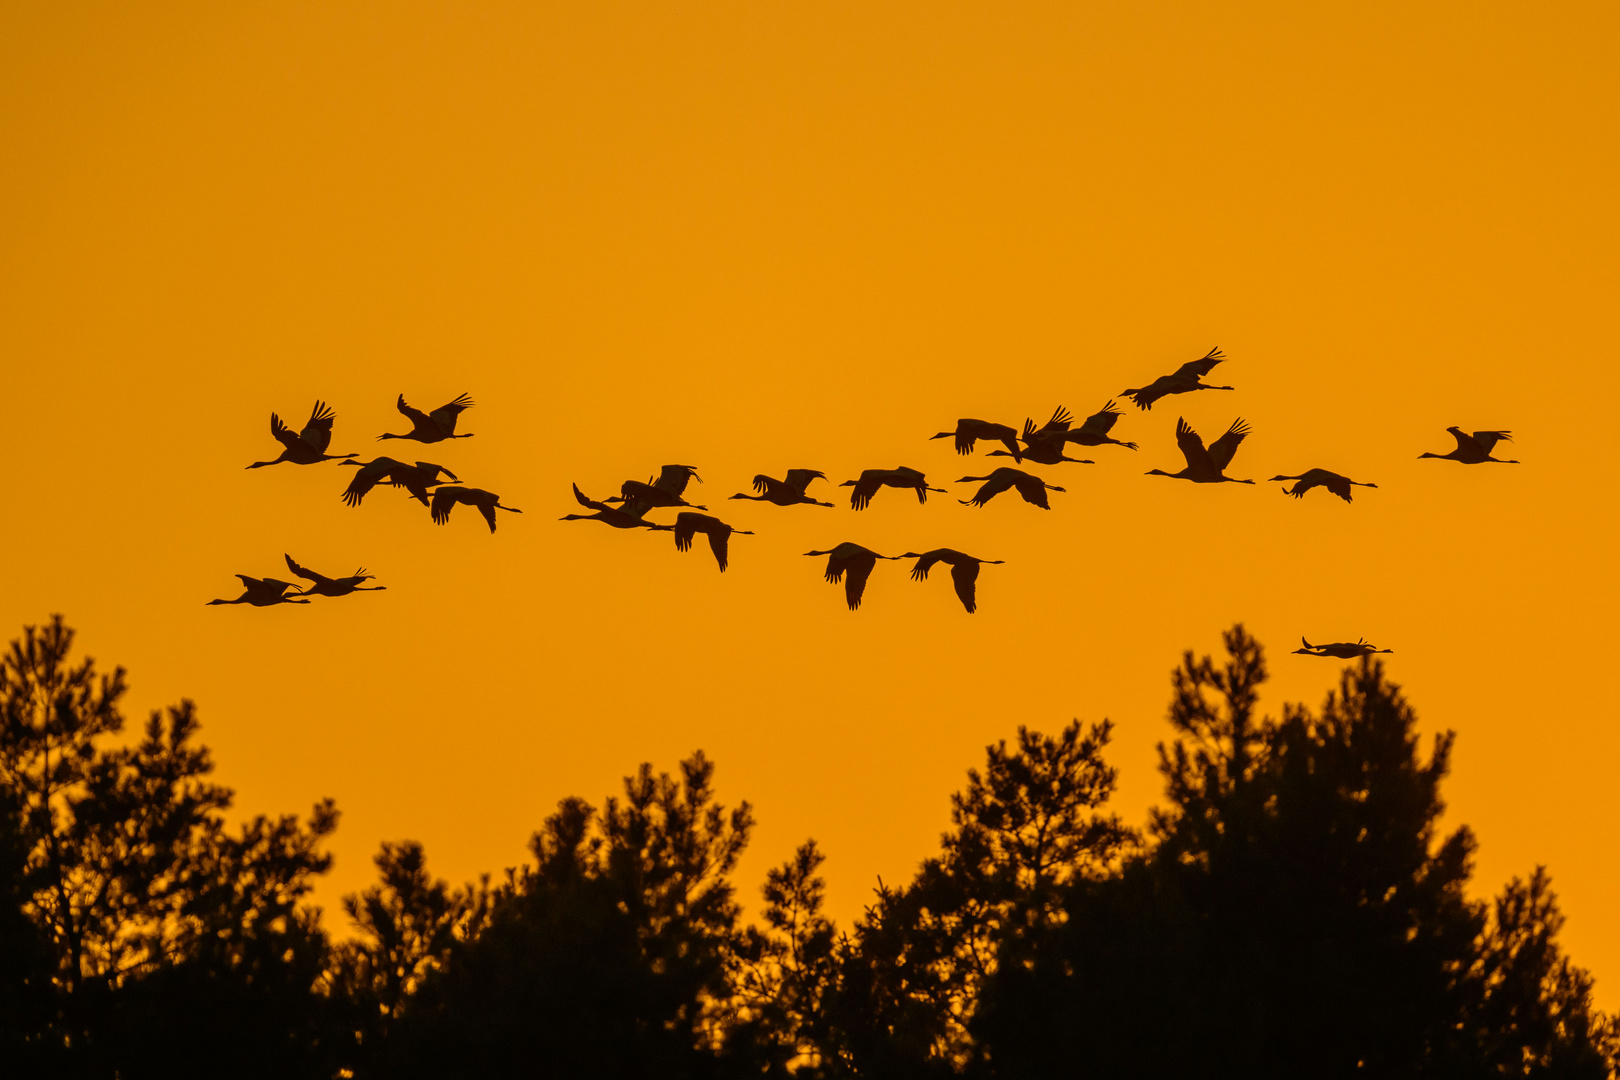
pixel 436 426
pixel 306 447
pixel 445 499
pixel 1094 432
pixel 1032 488
pixel 857 562
pixel 325 586
pixel 627 517
pixel 788 492
pixel 1474 449
pixel 901 477
pixel 663 490
pixel 964 571
pixel 1045 445
pixel 970 431
pixel 1310 478
pixel 1184 379
pixel 1341 650
pixel 687 525
pixel 1207 466
pixel 262 592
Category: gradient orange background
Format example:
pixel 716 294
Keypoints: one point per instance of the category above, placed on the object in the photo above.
pixel 752 237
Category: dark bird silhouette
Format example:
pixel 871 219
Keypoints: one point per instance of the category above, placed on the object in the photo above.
pixel 626 517
pixel 1045 445
pixel 325 586
pixel 1310 478
pixel 1094 432
pixel 1032 488
pixel 445 499
pixel 1207 466
pixel 1341 650
pixel 664 490
pixel 304 447
pixel 436 426
pixel 789 492
pixel 417 478
pixel 857 563
pixel 372 473
pixel 964 571
pixel 262 592
pixel 901 477
pixel 1474 449
pixel 970 431
pixel 687 525
pixel 1184 379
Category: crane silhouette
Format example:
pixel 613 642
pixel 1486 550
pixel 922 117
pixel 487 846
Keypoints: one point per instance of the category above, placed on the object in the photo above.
pixel 964 571
pixel 1045 445
pixel 305 447
pixel 1207 466
pixel 262 592
pixel 436 426
pixel 1094 432
pixel 852 564
pixel 1474 449
pixel 788 492
pixel 688 525
pixel 445 499
pixel 325 586
pixel 1340 650
pixel 1031 487
pixel 970 431
pixel 665 490
pixel 901 477
pixel 1312 478
pixel 415 479
pixel 626 517
pixel 1184 379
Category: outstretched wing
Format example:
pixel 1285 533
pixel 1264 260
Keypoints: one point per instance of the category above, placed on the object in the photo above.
pixel 285 435
pixel 416 416
pixel 673 478
pixel 1192 447
pixel 964 575
pixel 855 582
pixel 999 481
pixel 305 573
pixel 718 541
pixel 431 471
pixel 445 415
pixel 686 527
pixel 487 508
pixel 365 478
pixel 799 479
pixel 925 563
pixel 318 432
pixel 1100 422
pixel 1488 439
pixel 249 582
pixel 1032 488
pixel 865 488
pixel 1222 449
pixel 1197 369
pixel 444 500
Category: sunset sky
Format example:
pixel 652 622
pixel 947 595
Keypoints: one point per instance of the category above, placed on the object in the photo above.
pixel 753 237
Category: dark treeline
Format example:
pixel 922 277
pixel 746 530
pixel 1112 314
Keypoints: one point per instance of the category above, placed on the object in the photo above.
pixel 1290 910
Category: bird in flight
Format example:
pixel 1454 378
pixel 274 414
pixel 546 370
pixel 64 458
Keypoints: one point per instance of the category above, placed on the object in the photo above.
pixel 1312 478
pixel 445 499
pixel 262 592
pixel 872 479
pixel 665 490
pixel 788 492
pixel 629 516
pixel 304 447
pixel 1341 650
pixel 1184 379
pixel 436 426
pixel 964 571
pixel 415 478
pixel 1094 432
pixel 851 564
pixel 1474 449
pixel 1207 466
pixel 1031 487
pixel 969 432
pixel 325 586
pixel 1045 445
pixel 688 525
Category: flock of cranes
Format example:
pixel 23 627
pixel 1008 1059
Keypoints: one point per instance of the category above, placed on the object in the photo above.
pixel 440 490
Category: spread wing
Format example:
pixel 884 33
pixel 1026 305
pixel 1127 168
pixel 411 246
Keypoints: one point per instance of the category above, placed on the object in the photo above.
pixel 674 478
pixel 300 571
pixel 999 481
pixel 249 582
pixel 799 479
pixel 925 563
pixel 416 416
pixel 1032 488
pixel 445 415
pixel 686 527
pixel 1192 447
pixel 444 500
pixel 718 541
pixel 964 575
pixel 285 435
pixel 1197 369
pixel 431 471
pixel 1058 425
pixel 1223 448
pixel 583 500
pixel 487 508
pixel 865 488
pixel 365 478
pixel 318 432
pixel 1488 439
pixel 855 582
pixel 1101 422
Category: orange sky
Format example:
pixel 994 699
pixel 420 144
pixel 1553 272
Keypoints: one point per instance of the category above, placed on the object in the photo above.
pixel 752 237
